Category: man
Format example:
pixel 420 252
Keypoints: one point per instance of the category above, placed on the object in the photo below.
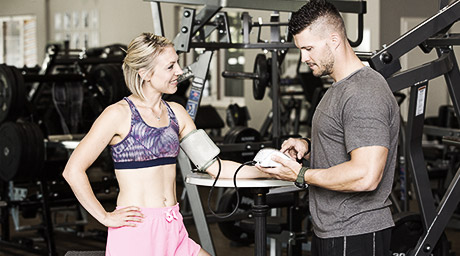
pixel 353 142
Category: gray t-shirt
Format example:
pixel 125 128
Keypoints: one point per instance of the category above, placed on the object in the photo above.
pixel 357 111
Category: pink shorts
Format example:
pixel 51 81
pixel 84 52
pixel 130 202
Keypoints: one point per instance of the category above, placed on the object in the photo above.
pixel 162 232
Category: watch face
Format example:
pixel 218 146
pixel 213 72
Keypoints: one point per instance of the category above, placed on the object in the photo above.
pixel 299 185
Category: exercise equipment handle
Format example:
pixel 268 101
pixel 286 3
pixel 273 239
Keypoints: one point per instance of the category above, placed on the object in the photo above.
pixel 185 76
pixel 240 75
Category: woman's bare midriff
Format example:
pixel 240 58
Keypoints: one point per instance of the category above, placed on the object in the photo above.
pixel 151 187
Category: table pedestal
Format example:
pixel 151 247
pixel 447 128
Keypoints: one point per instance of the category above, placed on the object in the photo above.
pixel 259 211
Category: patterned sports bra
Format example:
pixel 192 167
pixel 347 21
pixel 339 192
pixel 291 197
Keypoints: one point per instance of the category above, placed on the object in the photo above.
pixel 147 146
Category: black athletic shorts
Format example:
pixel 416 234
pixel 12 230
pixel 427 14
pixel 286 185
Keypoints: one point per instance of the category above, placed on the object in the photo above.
pixel 371 244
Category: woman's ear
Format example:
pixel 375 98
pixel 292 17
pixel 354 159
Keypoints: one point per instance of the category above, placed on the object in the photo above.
pixel 144 74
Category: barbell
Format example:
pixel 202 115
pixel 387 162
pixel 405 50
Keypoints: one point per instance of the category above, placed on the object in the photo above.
pixel 260 77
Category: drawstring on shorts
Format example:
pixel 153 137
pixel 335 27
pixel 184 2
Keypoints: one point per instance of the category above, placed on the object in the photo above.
pixel 170 215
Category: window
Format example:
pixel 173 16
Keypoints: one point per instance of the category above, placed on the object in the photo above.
pixel 18 41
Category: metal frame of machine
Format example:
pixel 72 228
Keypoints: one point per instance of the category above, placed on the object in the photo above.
pixel 430 34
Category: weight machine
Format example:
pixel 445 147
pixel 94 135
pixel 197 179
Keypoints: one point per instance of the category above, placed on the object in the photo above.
pixel 198 26
pixel 430 34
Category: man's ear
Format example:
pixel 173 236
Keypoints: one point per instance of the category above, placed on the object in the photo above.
pixel 335 40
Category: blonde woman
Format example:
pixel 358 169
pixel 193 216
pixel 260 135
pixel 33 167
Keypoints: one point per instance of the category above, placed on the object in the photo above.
pixel 143 132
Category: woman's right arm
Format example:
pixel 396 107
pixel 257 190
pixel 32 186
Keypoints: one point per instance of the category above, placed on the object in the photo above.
pixel 101 133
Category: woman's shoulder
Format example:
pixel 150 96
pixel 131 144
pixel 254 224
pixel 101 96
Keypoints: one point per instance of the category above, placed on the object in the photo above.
pixel 112 119
pixel 181 114
pixel 176 107
pixel 117 110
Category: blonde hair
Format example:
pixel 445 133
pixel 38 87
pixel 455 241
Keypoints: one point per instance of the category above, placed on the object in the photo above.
pixel 141 54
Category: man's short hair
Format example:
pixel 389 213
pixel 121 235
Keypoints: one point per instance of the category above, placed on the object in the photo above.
pixel 313 11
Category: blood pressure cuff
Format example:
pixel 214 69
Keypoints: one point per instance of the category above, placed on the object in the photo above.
pixel 201 150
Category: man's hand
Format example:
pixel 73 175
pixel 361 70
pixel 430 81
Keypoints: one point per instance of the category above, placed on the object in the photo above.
pixel 288 170
pixel 295 148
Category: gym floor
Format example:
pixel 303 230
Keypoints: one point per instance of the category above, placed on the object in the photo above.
pixel 68 241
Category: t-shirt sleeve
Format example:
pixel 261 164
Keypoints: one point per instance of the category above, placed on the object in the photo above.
pixel 366 120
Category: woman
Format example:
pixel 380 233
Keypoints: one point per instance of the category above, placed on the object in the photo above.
pixel 143 132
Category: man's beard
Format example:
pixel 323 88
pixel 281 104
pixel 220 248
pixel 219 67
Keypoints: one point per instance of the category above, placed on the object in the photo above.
pixel 326 64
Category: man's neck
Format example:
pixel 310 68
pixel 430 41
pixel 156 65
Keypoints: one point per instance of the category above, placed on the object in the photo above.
pixel 345 64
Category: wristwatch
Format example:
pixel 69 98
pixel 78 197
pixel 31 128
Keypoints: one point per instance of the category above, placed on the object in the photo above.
pixel 300 181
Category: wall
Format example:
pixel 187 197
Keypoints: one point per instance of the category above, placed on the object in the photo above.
pixel 392 10
pixel 119 20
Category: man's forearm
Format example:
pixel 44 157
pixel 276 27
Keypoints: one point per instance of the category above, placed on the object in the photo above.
pixel 362 173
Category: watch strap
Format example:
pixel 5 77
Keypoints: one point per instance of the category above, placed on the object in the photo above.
pixel 300 181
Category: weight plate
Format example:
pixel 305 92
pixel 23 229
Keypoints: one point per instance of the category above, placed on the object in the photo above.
pixel 38 155
pixel 28 149
pixel 11 147
pixel 20 102
pixel 121 88
pixel 231 229
pixel 241 134
pixel 22 151
pixel 261 70
pixel 8 93
pixel 107 82
pixel 247 134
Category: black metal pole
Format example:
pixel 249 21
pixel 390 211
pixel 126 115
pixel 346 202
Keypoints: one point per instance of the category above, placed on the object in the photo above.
pixel 276 124
pixel 416 160
pixel 259 210
pixel 47 222
pixel 295 221
pixel 5 236
pixel 447 207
